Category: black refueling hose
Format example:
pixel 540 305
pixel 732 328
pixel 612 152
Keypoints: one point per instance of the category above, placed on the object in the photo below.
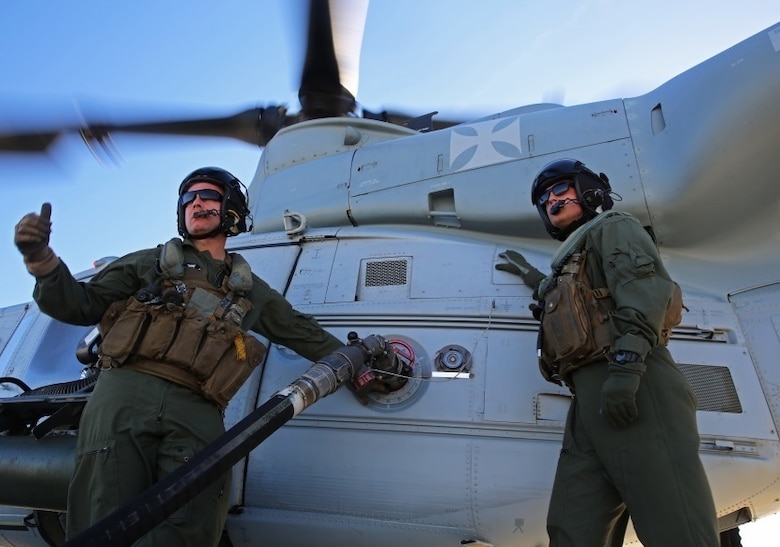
pixel 136 518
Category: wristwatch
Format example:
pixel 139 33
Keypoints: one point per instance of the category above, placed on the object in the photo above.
pixel 622 357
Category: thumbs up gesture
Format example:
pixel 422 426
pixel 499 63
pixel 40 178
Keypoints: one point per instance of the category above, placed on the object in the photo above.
pixel 31 237
pixel 33 231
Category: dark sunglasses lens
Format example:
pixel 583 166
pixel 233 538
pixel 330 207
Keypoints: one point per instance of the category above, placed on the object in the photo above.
pixel 205 195
pixel 556 189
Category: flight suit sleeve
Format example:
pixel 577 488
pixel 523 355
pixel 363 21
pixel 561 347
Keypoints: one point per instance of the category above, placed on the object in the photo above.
pixel 282 324
pixel 637 279
pixel 61 296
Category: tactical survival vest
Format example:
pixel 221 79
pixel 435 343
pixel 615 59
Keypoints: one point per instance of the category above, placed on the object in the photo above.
pixel 575 328
pixel 184 329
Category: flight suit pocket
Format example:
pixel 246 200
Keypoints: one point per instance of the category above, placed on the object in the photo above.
pixel 96 472
pixel 170 457
pixel 630 264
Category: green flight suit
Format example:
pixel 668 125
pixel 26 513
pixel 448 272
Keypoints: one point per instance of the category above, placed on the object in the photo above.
pixel 650 469
pixel 136 427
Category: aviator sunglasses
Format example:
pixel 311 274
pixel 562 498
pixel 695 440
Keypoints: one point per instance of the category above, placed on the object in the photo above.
pixel 205 195
pixel 556 189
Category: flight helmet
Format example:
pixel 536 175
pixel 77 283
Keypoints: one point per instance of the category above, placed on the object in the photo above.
pixel 593 192
pixel 235 215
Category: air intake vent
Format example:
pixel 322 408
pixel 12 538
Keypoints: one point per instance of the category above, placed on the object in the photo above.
pixel 386 273
pixel 384 280
pixel 714 388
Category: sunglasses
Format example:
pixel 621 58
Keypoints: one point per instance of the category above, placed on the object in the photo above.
pixel 556 189
pixel 205 195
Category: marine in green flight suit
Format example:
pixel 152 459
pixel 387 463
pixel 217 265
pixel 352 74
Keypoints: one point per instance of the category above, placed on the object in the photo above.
pixel 146 415
pixel 631 440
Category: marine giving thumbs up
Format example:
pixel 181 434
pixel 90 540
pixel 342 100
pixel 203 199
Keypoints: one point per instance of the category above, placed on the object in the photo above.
pixel 31 237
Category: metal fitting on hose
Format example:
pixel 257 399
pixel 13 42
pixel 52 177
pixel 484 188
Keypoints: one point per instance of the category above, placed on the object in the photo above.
pixel 329 373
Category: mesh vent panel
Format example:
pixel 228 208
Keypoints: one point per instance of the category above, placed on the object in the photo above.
pixel 386 272
pixel 713 387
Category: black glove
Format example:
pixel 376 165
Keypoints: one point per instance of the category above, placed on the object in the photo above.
pixel 31 237
pixel 618 393
pixel 547 373
pixel 518 265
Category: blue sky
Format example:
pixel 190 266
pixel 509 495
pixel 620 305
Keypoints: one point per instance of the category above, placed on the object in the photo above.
pixel 462 58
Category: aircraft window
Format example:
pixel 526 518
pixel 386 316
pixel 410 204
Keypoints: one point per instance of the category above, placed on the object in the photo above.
pixel 9 320
pixel 55 359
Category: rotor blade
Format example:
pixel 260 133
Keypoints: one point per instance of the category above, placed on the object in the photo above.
pixel 29 142
pixel 321 92
pixel 254 126
pixel 349 22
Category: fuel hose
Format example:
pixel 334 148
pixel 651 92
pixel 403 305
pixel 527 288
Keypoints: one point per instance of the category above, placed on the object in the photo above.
pixel 136 518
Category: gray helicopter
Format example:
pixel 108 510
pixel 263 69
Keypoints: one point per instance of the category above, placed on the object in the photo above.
pixel 393 224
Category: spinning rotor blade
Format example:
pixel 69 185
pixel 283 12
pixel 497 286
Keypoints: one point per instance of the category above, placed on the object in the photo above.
pixel 322 92
pixel 28 142
pixel 254 126
pixel 328 87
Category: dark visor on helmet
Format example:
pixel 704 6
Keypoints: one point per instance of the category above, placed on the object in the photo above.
pixel 205 195
pixel 558 189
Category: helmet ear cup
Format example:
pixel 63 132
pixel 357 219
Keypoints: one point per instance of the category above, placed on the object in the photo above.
pixel 232 220
pixel 593 198
pixel 597 198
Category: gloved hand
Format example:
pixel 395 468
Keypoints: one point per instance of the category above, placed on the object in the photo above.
pixel 518 265
pixel 547 373
pixel 31 237
pixel 618 393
